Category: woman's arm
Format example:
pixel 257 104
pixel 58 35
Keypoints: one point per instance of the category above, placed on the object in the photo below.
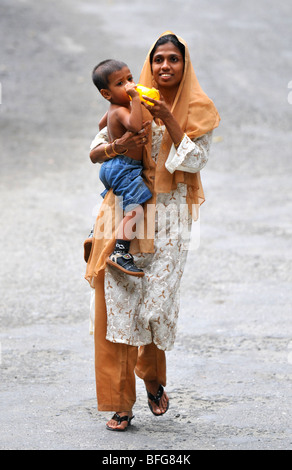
pixel 186 155
pixel 101 150
pixel 173 129
pixel 190 155
pixel 161 111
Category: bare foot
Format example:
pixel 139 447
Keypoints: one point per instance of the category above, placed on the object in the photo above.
pixel 115 424
pixel 162 406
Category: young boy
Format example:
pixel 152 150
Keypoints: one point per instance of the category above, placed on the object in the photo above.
pixel 122 173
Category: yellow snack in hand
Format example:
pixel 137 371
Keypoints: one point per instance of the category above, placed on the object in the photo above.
pixel 151 92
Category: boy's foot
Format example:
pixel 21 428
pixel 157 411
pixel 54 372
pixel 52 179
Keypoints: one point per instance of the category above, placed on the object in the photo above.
pixel 125 263
pixel 120 421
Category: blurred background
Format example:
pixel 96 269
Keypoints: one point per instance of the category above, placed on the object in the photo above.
pixel 49 113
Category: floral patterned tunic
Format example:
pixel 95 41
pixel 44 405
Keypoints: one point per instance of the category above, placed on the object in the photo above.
pixel 142 310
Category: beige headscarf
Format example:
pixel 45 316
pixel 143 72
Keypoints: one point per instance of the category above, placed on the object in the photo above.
pixel 197 115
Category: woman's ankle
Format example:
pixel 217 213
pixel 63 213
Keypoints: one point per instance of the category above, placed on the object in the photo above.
pixel 152 386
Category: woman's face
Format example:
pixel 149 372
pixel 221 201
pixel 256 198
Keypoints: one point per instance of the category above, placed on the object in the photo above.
pixel 167 65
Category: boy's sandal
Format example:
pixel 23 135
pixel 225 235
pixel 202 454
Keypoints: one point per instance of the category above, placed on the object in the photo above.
pixel 156 399
pixel 125 263
pixel 119 419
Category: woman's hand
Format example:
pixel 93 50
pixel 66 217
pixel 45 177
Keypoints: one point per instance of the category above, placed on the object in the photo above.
pixel 131 141
pixel 158 109
pixel 128 141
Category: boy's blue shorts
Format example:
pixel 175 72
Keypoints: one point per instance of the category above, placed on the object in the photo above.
pixel 123 175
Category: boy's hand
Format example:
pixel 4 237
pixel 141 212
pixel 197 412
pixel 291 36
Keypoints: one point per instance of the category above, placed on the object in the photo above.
pixel 130 88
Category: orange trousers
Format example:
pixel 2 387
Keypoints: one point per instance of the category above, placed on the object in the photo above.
pixel 116 364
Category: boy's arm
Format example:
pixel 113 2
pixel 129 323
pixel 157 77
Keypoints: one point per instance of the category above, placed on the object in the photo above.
pixel 103 122
pixel 132 118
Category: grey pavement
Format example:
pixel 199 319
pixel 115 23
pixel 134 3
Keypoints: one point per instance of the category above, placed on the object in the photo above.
pixel 229 375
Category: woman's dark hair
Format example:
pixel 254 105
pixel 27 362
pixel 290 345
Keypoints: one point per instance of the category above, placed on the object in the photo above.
pixel 103 70
pixel 168 38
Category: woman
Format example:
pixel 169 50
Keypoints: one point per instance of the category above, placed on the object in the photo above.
pixel 135 318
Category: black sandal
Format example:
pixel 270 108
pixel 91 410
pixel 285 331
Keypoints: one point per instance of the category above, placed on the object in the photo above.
pixel 119 419
pixel 156 399
pixel 125 262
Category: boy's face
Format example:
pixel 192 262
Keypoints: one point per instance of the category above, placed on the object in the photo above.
pixel 115 92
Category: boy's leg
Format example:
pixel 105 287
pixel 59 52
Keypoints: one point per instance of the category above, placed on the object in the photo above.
pixel 114 362
pixel 131 218
pixel 121 258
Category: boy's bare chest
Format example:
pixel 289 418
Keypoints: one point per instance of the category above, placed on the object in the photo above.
pixel 115 127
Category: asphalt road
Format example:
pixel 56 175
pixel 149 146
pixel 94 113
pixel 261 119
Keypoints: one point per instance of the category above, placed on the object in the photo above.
pixel 229 375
